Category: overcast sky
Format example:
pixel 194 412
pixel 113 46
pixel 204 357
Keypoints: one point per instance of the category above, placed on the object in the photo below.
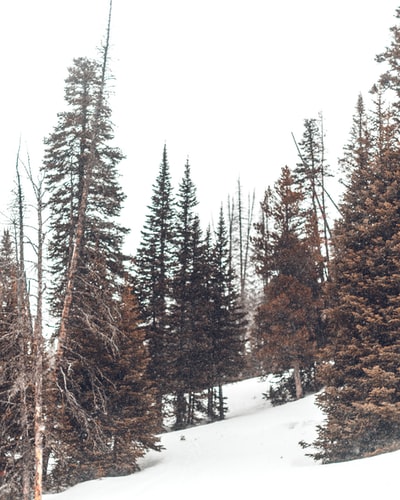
pixel 224 82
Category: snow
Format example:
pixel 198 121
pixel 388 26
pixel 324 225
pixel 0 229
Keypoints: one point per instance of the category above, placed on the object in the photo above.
pixel 253 454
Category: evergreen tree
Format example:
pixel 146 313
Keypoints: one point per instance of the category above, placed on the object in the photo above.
pixel 227 322
pixel 357 152
pixel 129 426
pixel 390 79
pixel 362 398
pixel 310 176
pixel 85 251
pixel 262 247
pixel 132 406
pixel 154 265
pixel 186 309
pixel 287 319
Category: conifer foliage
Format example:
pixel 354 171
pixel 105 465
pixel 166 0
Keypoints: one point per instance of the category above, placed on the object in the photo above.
pixel 287 319
pixel 85 250
pixel 362 397
pixel 154 264
pixel 190 303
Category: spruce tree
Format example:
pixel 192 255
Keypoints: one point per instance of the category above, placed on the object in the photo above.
pixel 358 150
pixel 287 319
pixel 362 395
pixel 186 309
pixel 154 267
pixel 227 322
pixel 310 176
pixel 87 263
pixel 390 79
pixel 362 398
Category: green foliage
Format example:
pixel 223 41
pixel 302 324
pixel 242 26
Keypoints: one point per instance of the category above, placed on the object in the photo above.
pixel 188 295
pixel 154 265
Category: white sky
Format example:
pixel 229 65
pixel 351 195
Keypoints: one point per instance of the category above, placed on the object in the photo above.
pixel 223 81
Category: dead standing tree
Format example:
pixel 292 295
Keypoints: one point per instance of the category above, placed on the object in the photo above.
pixel 25 340
pixel 38 341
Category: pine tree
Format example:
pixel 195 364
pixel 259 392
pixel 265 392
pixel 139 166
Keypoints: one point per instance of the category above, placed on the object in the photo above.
pixel 362 396
pixel 357 152
pixel 310 176
pixel 186 306
pixel 88 267
pixel 287 319
pixel 227 322
pixel 133 407
pixel 130 423
pixel 362 399
pixel 154 265
pixel 390 79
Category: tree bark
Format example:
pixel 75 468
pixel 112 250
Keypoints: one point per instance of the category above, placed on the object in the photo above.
pixel 297 380
pixel 38 347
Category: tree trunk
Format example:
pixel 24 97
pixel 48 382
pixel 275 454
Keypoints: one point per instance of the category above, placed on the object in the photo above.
pixel 210 403
pixel 180 411
pixel 221 406
pixel 297 380
pixel 38 350
pixel 24 339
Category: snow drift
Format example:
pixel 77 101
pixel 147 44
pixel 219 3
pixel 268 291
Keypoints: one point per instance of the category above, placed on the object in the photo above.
pixel 254 453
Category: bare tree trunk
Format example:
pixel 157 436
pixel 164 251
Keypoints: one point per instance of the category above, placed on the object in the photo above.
pixel 180 410
pixel 250 213
pixel 240 223
pixel 24 336
pixel 210 403
pixel 38 343
pixel 297 380
pixel 231 219
pixel 221 406
pixel 323 201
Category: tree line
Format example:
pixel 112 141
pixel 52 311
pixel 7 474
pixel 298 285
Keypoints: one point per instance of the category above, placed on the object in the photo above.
pixel 144 343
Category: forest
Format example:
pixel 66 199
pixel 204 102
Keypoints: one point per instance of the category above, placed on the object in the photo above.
pixel 103 351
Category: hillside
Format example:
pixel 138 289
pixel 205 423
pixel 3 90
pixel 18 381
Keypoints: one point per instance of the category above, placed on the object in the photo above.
pixel 253 454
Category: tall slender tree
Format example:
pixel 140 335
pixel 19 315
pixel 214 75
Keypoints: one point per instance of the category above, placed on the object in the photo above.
pixel 154 266
pixel 227 322
pixel 184 285
pixel 88 265
pixel 310 175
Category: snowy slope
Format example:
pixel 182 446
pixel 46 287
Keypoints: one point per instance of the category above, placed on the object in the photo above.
pixel 253 454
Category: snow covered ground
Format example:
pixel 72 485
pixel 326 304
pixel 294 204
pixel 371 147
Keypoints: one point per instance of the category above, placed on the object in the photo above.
pixel 253 454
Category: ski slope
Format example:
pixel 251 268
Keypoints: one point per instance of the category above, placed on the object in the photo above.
pixel 253 454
